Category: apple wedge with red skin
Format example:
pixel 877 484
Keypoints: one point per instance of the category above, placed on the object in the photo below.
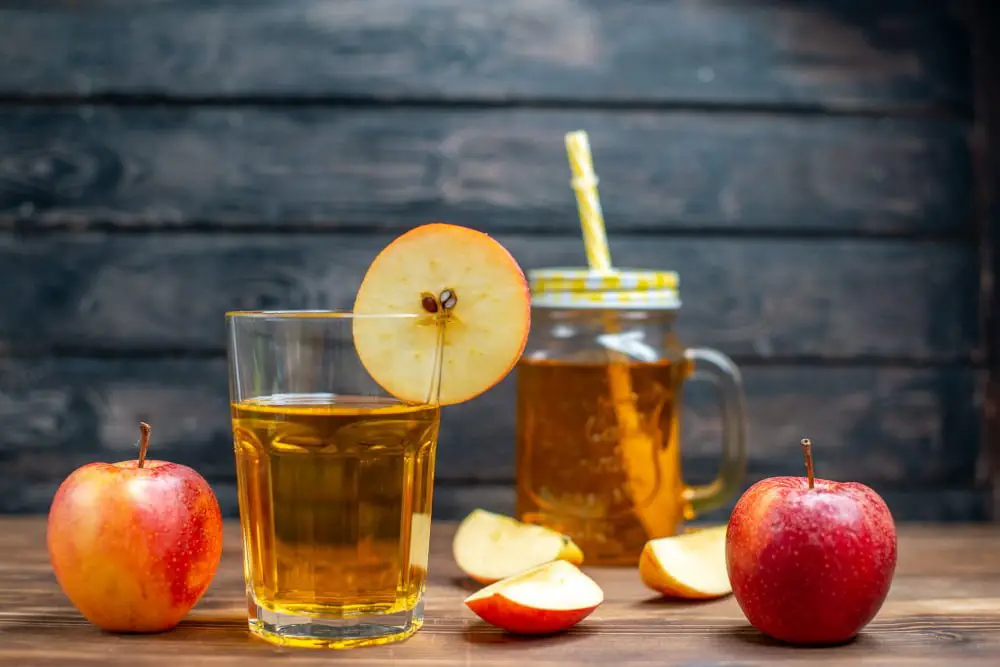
pixel 489 547
pixel 810 560
pixel 544 600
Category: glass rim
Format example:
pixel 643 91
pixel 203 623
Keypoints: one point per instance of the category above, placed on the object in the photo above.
pixel 315 314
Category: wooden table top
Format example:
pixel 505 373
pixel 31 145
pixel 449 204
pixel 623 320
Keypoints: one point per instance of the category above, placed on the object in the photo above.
pixel 944 606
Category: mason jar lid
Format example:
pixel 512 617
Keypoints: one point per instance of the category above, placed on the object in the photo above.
pixel 636 289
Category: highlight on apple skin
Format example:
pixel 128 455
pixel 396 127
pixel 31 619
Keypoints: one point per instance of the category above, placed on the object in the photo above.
pixel 544 600
pixel 811 561
pixel 134 544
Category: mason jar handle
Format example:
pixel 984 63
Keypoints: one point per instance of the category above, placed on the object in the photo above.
pixel 732 402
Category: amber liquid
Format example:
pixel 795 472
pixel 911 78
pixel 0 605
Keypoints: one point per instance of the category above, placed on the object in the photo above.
pixel 579 473
pixel 335 502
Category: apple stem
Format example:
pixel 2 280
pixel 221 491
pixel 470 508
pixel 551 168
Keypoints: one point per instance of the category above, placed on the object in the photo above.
pixel 143 442
pixel 807 451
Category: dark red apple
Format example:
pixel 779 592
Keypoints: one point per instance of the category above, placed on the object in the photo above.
pixel 134 544
pixel 810 560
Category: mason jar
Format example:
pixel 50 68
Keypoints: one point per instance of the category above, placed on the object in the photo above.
pixel 599 389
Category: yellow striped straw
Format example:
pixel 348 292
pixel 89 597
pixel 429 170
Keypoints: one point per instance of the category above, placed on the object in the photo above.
pixel 588 202
pixel 635 447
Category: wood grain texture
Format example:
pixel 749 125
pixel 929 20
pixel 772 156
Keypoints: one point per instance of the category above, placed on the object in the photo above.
pixel 754 298
pixel 502 170
pixel 944 607
pixel 908 429
pixel 846 54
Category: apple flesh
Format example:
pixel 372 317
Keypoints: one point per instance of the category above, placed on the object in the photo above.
pixel 489 547
pixel 689 566
pixel 134 547
pixel 810 560
pixel 544 600
pixel 441 274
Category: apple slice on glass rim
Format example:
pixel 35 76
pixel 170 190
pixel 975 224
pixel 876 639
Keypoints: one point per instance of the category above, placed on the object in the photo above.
pixel 468 299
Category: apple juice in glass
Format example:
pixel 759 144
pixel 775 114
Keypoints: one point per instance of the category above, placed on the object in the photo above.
pixel 599 393
pixel 335 420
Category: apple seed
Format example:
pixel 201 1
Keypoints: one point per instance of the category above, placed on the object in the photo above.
pixel 448 299
pixel 429 303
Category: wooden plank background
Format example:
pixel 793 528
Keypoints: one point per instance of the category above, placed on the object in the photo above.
pixel 395 166
pixel 847 53
pixel 985 16
pixel 806 166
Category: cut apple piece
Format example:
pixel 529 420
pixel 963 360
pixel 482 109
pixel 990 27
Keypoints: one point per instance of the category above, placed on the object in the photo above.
pixel 441 272
pixel 689 566
pixel 489 547
pixel 543 600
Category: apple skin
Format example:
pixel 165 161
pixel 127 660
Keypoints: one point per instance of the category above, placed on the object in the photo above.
pixel 546 599
pixel 134 548
pixel 517 618
pixel 810 566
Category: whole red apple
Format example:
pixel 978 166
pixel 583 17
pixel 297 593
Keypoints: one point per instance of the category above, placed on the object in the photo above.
pixel 134 544
pixel 810 560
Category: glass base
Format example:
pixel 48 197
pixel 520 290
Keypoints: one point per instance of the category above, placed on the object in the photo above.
pixel 336 633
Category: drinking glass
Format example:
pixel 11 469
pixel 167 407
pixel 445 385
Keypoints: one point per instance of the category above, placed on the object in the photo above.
pixel 335 483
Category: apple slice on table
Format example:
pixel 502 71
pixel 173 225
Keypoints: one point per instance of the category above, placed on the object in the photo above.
pixel 489 547
pixel 433 273
pixel 543 600
pixel 689 566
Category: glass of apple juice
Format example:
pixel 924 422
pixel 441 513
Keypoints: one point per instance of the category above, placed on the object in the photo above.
pixel 334 479
pixel 335 421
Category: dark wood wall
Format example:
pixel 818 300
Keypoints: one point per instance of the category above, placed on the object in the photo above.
pixel 806 165
pixel 985 21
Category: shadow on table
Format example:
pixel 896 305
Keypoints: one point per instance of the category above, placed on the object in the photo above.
pixel 466 584
pixel 480 633
pixel 739 636
pixel 658 601
pixel 55 634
